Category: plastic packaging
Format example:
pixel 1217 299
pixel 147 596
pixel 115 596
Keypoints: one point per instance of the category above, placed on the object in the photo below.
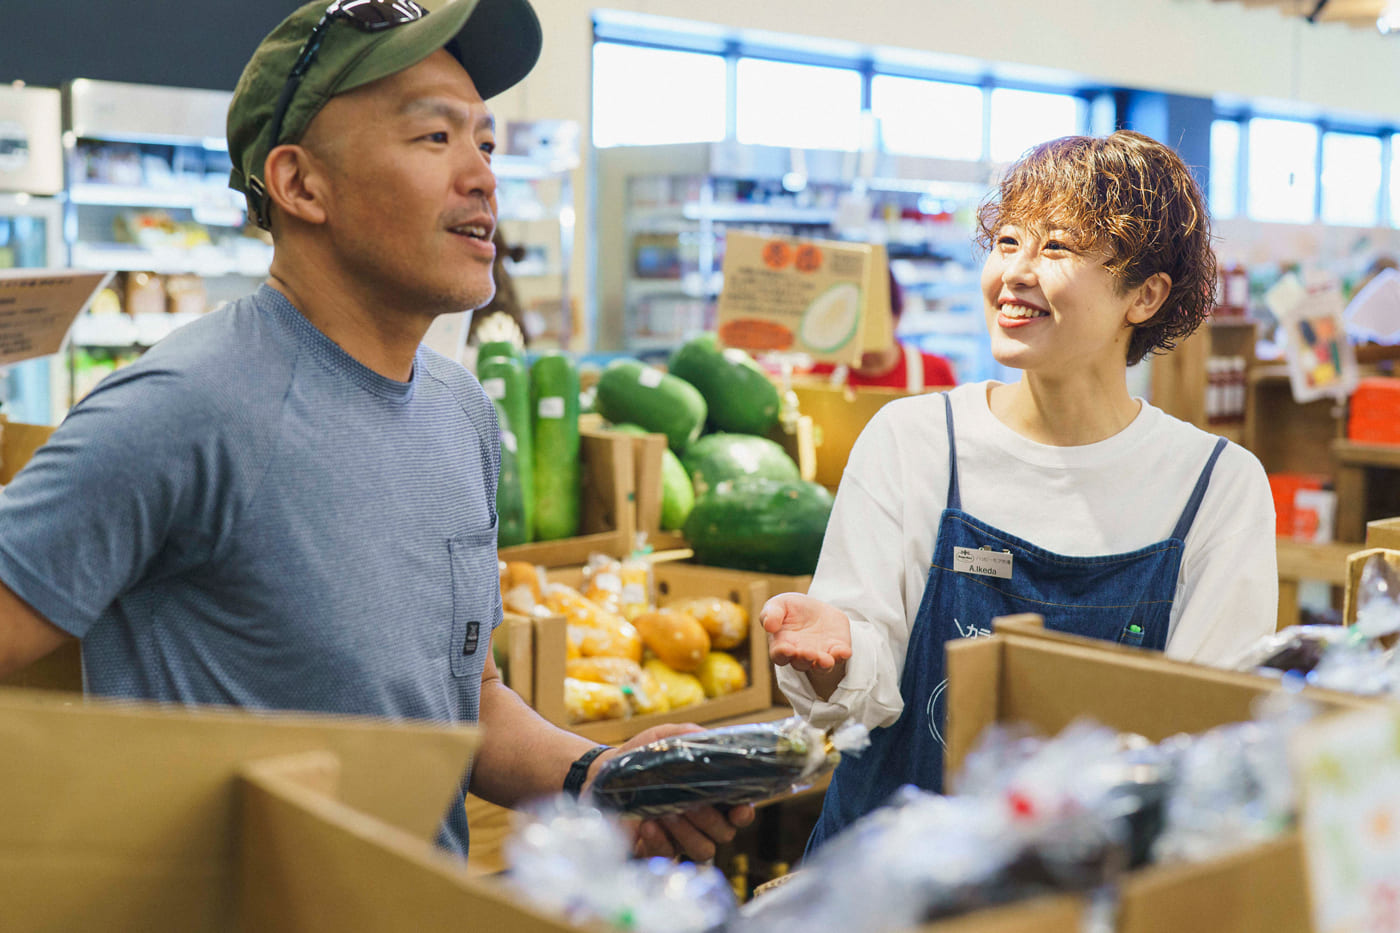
pixel 724 767
pixel 1297 648
pixel 1378 598
pixel 1234 785
pixel 572 859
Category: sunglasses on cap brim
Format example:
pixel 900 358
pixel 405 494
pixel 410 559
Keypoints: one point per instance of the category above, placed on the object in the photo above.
pixel 365 15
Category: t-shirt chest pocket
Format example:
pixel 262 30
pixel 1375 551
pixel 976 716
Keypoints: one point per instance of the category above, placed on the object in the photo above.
pixel 474 602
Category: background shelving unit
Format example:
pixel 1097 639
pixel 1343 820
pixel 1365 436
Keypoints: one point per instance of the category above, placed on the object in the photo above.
pixel 662 213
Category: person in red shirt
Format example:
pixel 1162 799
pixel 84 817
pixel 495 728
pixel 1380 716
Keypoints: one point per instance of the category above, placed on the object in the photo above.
pixel 897 366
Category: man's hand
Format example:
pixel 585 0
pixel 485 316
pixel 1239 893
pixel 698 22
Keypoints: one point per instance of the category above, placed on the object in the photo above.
pixel 806 633
pixel 693 834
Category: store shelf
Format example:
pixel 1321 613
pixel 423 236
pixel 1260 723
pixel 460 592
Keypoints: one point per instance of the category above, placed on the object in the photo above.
pixel 251 260
pixel 180 198
pixel 690 286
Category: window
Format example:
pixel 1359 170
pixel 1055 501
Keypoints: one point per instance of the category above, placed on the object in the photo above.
pixel 1224 168
pixel 1022 119
pixel 797 106
pixel 681 99
pixel 1395 180
pixel 928 118
pixel 1351 179
pixel 1282 170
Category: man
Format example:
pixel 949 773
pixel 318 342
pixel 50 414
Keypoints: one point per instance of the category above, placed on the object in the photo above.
pixel 290 503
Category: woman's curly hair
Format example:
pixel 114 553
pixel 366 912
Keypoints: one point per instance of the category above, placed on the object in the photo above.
pixel 1131 197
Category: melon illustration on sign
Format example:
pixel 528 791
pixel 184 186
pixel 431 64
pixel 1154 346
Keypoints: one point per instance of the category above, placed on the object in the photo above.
pixel 830 320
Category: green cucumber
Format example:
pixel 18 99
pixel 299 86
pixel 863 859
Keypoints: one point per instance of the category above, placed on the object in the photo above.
pixel 715 458
pixel 630 392
pixel 677 493
pixel 760 524
pixel 508 384
pixel 494 348
pixel 740 396
pixel 554 407
pixel 512 522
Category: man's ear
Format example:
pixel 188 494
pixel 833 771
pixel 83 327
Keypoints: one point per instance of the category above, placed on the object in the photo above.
pixel 296 183
pixel 1149 297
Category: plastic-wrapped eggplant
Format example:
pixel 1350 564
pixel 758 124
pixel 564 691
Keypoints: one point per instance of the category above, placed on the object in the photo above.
pixel 1297 648
pixel 729 766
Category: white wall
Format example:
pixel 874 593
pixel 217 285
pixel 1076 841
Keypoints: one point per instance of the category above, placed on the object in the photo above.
pixel 1194 47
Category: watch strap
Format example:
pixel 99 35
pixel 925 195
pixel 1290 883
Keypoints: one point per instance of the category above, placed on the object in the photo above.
pixel 578 771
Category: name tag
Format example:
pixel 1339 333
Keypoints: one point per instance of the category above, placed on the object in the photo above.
pixel 982 562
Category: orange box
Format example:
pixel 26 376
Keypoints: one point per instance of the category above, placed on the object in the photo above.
pixel 1374 415
pixel 1285 488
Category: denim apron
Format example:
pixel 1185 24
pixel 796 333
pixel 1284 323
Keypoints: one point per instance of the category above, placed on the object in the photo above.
pixel 979 572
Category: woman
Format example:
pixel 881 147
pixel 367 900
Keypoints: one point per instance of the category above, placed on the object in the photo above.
pixel 1059 494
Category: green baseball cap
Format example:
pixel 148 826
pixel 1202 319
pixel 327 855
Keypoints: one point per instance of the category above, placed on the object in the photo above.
pixel 497 42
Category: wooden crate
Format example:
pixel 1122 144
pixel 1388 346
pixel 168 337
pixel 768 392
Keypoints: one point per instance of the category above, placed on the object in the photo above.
pixel 608 521
pixel 674 582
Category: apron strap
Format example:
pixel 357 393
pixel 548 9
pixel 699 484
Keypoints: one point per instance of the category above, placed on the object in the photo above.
pixel 913 369
pixel 954 499
pixel 1183 524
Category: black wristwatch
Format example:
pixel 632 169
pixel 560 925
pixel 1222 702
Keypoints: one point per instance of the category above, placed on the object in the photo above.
pixel 578 771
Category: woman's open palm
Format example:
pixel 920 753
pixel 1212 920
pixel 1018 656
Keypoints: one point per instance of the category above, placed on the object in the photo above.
pixel 806 633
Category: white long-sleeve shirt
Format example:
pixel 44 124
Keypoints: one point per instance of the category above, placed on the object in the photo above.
pixel 1110 497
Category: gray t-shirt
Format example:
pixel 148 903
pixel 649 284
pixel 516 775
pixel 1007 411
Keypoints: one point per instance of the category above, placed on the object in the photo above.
pixel 247 516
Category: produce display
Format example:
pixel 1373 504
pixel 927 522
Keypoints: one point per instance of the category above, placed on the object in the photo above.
pixel 554 407
pixel 715 458
pixel 740 396
pixel 631 392
pixel 626 655
pixel 760 524
pixel 1073 813
pixel 712 483
pixel 736 495
pixel 722 767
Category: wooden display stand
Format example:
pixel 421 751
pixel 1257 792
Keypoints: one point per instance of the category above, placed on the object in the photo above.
pixel 1179 378
pixel 1364 472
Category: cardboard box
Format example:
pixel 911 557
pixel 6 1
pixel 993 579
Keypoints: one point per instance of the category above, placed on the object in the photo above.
pixel 309 862
pixel 1383 532
pixel 1048 680
pixel 515 637
pixel 608 520
pixel 18 441
pixel 1356 563
pixel 839 414
pixel 123 816
pixel 674 582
